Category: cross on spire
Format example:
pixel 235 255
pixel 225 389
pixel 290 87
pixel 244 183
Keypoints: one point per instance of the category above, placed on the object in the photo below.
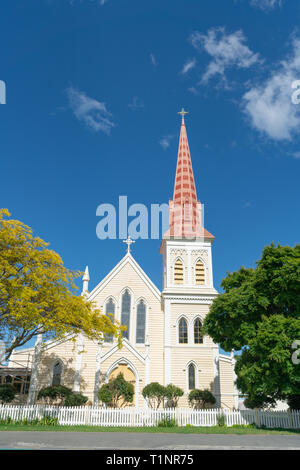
pixel 182 113
pixel 128 242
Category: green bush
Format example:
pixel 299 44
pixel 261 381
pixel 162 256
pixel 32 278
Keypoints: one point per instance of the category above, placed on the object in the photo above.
pixel 75 399
pixel 294 402
pixel 173 393
pixel 7 393
pixel 117 392
pixel 167 422
pixel 201 398
pixel 221 420
pixel 54 393
pixel 155 394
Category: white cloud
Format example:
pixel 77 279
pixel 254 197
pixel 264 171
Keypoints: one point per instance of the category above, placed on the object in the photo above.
pixel 266 4
pixel 136 104
pixel 269 105
pixel 92 112
pixel 153 60
pixel 226 50
pixel 189 65
pixel 296 155
pixel 165 141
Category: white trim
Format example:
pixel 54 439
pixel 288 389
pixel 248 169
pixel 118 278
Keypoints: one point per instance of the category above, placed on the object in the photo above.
pixel 128 346
pixel 79 353
pixel 97 373
pixel 168 344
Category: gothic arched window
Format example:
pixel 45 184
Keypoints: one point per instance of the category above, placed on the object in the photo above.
pixel 57 372
pixel 140 322
pixel 178 272
pixel 192 376
pixel 183 331
pixel 110 313
pixel 198 336
pixel 200 273
pixel 125 313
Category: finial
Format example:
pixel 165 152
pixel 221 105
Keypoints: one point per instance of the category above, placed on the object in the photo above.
pixel 85 279
pixel 128 242
pixel 182 113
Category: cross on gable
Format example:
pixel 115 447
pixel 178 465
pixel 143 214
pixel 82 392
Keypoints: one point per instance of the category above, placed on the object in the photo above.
pixel 128 242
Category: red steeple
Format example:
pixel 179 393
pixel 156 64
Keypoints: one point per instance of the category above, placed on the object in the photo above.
pixel 185 209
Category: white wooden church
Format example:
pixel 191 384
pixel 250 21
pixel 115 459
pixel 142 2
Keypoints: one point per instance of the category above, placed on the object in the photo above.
pixel 163 341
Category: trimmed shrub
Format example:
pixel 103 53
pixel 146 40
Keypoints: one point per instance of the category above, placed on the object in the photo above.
pixel 155 393
pixel 201 398
pixel 54 392
pixel 75 399
pixel 7 393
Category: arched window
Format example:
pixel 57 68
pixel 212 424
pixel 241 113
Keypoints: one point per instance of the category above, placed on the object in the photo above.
pixel 198 336
pixel 125 313
pixel 183 331
pixel 109 312
pixel 57 372
pixel 192 376
pixel 200 273
pixel 178 272
pixel 140 322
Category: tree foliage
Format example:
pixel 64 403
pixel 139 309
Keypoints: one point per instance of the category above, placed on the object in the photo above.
pixel 155 394
pixel 259 314
pixel 201 398
pixel 173 393
pixel 117 392
pixel 37 293
pixel 54 393
pixel 7 393
pixel 75 399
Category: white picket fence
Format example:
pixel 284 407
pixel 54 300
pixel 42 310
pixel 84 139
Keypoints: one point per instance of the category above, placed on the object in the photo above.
pixel 98 416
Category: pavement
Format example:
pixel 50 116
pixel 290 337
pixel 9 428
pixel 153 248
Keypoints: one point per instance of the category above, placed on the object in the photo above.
pixel 143 441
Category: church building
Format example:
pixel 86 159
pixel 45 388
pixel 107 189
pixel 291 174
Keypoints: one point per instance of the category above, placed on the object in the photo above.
pixel 164 341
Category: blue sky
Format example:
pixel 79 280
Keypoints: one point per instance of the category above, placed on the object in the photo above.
pixel 93 91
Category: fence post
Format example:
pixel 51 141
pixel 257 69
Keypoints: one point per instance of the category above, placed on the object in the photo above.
pixel 290 415
pixel 257 420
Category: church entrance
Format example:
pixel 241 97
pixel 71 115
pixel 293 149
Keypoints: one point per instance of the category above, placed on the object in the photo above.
pixel 128 376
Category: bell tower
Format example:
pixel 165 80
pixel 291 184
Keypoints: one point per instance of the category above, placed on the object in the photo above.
pixel 188 287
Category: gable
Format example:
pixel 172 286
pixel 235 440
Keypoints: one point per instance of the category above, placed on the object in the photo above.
pixel 126 274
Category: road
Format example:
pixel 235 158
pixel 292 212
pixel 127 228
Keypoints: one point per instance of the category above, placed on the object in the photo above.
pixel 138 441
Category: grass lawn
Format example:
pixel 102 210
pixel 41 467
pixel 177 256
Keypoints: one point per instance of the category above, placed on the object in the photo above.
pixel 180 430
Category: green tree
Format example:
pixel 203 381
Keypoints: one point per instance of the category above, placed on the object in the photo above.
pixel 75 399
pixel 54 393
pixel 37 293
pixel 173 393
pixel 259 314
pixel 117 392
pixel 201 398
pixel 155 394
pixel 7 393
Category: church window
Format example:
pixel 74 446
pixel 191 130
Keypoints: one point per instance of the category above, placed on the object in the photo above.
pixel 125 314
pixel 178 272
pixel 183 331
pixel 198 336
pixel 110 313
pixel 140 322
pixel 200 274
pixel 192 376
pixel 57 372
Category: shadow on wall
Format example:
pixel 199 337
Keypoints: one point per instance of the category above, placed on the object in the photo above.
pixel 67 377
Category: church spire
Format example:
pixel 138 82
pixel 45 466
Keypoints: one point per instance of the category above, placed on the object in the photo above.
pixel 185 209
pixel 184 187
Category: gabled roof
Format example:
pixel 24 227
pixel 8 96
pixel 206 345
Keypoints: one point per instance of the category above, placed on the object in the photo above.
pixel 128 259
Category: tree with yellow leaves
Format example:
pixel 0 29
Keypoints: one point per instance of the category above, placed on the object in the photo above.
pixel 37 293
